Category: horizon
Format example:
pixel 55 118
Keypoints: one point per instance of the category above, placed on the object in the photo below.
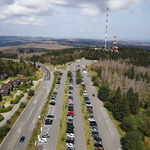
pixel 76 38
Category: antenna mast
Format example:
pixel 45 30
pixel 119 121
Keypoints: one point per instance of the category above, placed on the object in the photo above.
pixel 105 46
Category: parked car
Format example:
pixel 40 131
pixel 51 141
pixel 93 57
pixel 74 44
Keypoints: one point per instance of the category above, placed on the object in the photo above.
pixel 52 102
pixel 50 116
pixel 43 140
pixel 69 141
pixel 71 135
pixel 98 139
pixel 98 145
pixel 70 145
pixel 45 135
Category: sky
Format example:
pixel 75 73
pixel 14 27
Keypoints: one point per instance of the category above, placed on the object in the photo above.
pixel 127 19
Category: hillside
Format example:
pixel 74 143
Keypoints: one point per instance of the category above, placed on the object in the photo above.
pixel 15 43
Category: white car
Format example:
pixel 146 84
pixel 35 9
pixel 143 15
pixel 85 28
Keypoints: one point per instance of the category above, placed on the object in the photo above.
pixel 70 145
pixel 71 135
pixel 43 140
pixel 91 119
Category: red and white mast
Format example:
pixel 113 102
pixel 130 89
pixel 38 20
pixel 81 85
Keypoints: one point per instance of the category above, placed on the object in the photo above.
pixel 115 48
pixel 105 46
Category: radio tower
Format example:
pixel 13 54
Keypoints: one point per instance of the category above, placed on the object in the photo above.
pixel 115 48
pixel 105 47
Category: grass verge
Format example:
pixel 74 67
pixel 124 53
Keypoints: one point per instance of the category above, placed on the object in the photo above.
pixel 87 130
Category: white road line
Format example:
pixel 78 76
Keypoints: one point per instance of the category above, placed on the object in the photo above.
pixel 19 129
pixel 40 108
pixel 31 112
pixel 33 121
pixel 112 133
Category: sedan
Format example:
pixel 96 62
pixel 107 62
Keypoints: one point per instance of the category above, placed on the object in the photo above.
pixel 50 116
pixel 70 141
pixel 52 102
pixel 22 139
pixel 98 145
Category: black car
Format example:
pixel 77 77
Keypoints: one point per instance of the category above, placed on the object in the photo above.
pixel 70 109
pixel 98 145
pixel 88 102
pixel 55 93
pixel 98 139
pixel 70 128
pixel 22 139
pixel 52 102
pixel 93 124
pixel 93 95
pixel 50 116
pixel 48 123
pixel 70 141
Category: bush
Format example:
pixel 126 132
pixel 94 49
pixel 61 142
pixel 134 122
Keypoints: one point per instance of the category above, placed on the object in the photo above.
pixel 30 92
pixel 18 97
pixel 22 105
pixel 109 105
pixel 2 110
pixel 1 117
pixel 69 73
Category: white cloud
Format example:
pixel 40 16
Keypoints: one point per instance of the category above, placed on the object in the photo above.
pixel 82 30
pixel 20 10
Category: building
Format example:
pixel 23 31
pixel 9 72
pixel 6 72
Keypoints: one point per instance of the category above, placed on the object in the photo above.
pixel 14 82
pixel 4 76
pixel 6 89
pixel 23 79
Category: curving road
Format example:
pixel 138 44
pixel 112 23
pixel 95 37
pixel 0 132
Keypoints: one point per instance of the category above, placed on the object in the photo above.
pixel 26 122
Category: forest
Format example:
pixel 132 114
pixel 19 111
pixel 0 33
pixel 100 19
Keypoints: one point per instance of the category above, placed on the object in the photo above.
pixel 13 69
pixel 123 82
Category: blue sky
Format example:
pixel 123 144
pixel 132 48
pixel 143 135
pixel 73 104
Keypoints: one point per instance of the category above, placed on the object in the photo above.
pixel 128 19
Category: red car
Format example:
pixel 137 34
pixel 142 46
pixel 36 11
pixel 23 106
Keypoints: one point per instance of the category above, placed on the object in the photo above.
pixel 70 112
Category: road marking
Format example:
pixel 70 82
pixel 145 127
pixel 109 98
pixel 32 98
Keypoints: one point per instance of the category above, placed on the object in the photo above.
pixel 40 108
pixel 19 129
pixel 33 121
pixel 31 112
pixel 112 133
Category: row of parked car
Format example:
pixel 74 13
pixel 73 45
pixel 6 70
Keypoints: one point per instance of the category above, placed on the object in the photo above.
pixel 49 118
pixel 53 99
pixel 92 122
pixel 70 138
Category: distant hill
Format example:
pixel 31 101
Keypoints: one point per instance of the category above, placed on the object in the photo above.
pixel 40 41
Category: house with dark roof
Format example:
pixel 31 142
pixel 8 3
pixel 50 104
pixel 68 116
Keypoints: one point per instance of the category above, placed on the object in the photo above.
pixel 14 82
pixel 6 89
pixel 3 76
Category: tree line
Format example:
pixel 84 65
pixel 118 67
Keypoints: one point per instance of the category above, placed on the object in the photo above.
pixel 13 68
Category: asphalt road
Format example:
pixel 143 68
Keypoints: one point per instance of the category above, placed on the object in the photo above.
pixel 56 111
pixel 26 122
pixel 106 128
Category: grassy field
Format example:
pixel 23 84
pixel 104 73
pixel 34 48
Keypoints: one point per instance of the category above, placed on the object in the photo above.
pixel 61 144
